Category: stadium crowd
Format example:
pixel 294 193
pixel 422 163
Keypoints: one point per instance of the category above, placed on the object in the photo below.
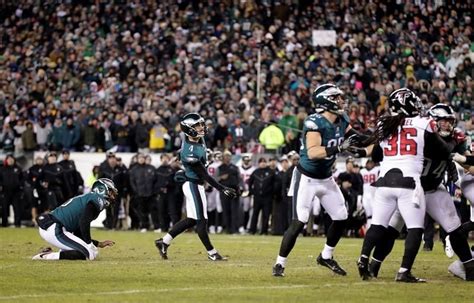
pixel 102 76
pixel 91 77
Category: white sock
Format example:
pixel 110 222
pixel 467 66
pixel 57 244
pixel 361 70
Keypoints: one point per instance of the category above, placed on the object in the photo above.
pixel 51 256
pixel 373 259
pixel 315 228
pixel 327 252
pixel 167 239
pixel 402 270
pixel 282 261
pixel 212 251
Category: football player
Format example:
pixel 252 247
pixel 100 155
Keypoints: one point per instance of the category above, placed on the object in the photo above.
pixel 194 158
pixel 467 185
pixel 68 226
pixel 404 139
pixel 439 204
pixel 214 204
pixel 323 138
pixel 370 174
pixel 246 169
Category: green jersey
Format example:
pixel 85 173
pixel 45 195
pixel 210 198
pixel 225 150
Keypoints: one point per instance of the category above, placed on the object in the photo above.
pixel 71 211
pixel 191 153
pixel 332 134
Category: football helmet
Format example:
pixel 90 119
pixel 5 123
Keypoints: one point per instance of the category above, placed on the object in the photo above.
pixel 106 188
pixel 404 101
pixel 246 158
pixel 190 122
pixel 444 112
pixel 329 97
pixel 217 155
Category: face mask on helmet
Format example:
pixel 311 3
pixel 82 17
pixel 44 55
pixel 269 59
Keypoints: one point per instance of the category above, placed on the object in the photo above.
pixel 217 156
pixel 329 97
pixel 445 118
pixel 193 125
pixel 106 188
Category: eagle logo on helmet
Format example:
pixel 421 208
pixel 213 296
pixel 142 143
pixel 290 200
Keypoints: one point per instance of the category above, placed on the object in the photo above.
pixel 106 189
pixel 329 97
pixel 193 125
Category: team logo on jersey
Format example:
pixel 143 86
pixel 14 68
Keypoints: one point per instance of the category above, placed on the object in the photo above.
pixel 311 124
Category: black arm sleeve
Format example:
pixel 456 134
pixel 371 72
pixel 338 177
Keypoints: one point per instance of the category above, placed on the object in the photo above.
pixel 377 153
pixel 90 213
pixel 201 171
pixel 436 147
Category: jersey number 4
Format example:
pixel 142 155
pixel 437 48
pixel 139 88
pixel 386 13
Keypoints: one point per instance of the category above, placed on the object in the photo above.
pixel 403 144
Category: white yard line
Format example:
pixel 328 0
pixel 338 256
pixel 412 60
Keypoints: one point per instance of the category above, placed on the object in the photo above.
pixel 187 289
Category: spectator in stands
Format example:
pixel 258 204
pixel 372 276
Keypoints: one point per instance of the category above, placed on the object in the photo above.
pixel 143 183
pixel 272 138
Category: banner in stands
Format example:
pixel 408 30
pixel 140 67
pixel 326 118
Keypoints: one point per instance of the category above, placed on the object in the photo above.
pixel 324 38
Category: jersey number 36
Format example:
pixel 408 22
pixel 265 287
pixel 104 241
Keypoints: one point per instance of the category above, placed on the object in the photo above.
pixel 403 144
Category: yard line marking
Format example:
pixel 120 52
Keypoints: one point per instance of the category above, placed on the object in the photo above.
pixel 185 289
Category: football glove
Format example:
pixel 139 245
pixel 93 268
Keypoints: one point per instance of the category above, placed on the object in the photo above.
pixel 230 192
pixel 348 143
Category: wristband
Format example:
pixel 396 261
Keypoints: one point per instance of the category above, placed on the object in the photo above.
pixel 331 151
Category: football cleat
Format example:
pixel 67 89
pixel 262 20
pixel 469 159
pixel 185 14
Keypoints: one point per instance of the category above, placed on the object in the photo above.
pixel 331 264
pixel 448 249
pixel 363 266
pixel 162 248
pixel 407 277
pixel 216 257
pixel 427 247
pixel 278 270
pixel 41 256
pixel 374 268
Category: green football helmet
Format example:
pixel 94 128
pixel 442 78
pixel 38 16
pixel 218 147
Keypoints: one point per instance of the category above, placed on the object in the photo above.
pixel 106 188
pixel 329 97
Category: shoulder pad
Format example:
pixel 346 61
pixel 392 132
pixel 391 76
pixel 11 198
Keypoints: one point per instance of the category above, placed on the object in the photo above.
pixel 311 122
pixel 459 136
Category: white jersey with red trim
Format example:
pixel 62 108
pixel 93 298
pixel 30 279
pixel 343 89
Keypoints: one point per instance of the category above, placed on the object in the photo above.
pixel 245 173
pixel 369 177
pixel 212 168
pixel 405 150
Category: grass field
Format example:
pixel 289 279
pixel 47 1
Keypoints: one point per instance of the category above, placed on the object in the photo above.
pixel 132 271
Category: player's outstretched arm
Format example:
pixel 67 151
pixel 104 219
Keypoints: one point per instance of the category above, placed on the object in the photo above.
pixel 201 171
pixel 357 137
